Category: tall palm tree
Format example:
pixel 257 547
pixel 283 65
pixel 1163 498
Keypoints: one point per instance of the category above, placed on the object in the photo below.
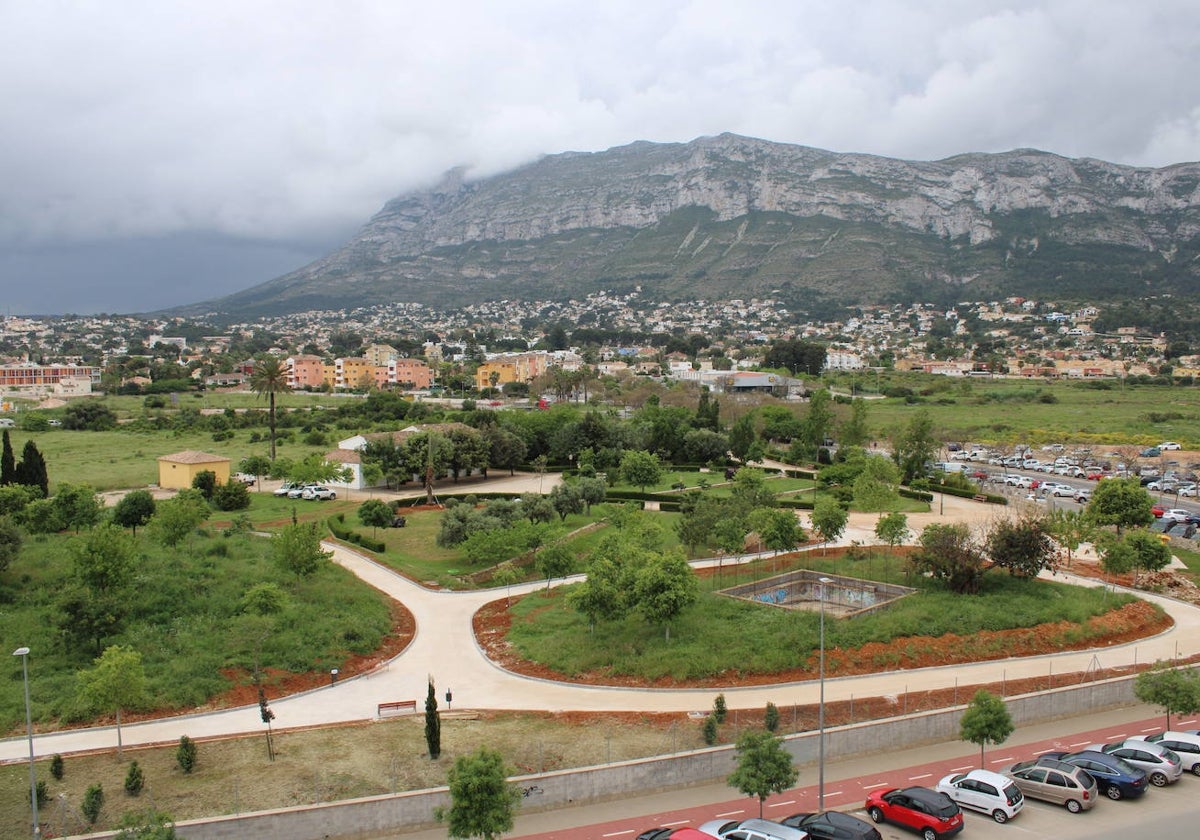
pixel 269 377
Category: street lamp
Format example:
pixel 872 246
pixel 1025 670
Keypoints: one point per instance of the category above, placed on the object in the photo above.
pixel 23 652
pixel 821 707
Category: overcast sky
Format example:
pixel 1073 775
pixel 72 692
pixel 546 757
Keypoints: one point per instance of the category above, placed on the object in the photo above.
pixel 161 152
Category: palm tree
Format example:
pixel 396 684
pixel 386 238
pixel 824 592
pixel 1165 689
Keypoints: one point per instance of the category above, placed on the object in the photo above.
pixel 269 377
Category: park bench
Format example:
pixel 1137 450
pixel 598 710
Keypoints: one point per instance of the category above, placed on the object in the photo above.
pixel 979 497
pixel 398 707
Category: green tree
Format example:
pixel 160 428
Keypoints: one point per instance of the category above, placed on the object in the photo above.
pixel 875 489
pixel 601 595
pixel 105 559
pixel 742 437
pixel 268 378
pixel 8 461
pixel 1023 546
pixel 554 561
pixel 664 587
pixel 78 506
pixel 1175 690
pixel 566 500
pixel 640 468
pixel 506 449
pixel 31 469
pixel 135 779
pixel 255 465
pixel 771 717
pixel 206 482
pixel 186 754
pixel 593 491
pixel 915 447
pixel 297 549
pixel 893 528
pixel 853 431
pixel 135 508
pixel 482 800
pixel 985 721
pixel 764 767
pixel 232 495
pixel 89 415
pixel 375 514
pixel 829 518
pixel 1123 503
pixel 92 803
pixel 777 527
pixel 815 427
pixel 1070 528
pixel 10 542
pixel 177 517
pixel 116 682
pixel 949 554
pixel 1150 553
pixel 433 724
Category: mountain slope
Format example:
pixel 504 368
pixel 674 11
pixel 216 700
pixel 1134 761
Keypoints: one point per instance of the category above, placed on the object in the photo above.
pixel 734 216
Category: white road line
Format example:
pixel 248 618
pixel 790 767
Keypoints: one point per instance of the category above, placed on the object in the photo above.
pixel 1080 744
pixel 618 833
pixel 677 822
pixel 1151 729
pixel 877 784
pixel 731 813
pixel 784 804
pixel 1004 760
pixel 1120 736
pixel 922 776
pixel 833 793
pixel 960 769
pixel 1043 752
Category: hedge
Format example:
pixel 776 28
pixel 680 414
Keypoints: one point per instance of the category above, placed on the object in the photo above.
pixel 337 524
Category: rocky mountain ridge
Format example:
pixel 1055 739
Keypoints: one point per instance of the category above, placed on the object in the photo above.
pixel 731 215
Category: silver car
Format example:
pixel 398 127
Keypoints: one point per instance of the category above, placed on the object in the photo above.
pixel 751 829
pixel 1162 766
pixel 1055 781
pixel 1186 745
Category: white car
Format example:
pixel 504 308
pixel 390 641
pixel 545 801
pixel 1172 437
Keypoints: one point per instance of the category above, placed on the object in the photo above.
pixel 286 488
pixel 1169 444
pixel 316 491
pixel 1187 490
pixel 1063 490
pixel 1176 515
pixel 1186 745
pixel 983 790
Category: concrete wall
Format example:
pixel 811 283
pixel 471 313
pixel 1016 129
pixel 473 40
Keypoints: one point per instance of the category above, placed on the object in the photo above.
pixel 405 811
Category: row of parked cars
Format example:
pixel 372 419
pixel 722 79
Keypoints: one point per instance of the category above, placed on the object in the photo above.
pixel 1075 780
pixel 318 492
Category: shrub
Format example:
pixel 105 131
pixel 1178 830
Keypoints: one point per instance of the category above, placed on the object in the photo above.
pixel 56 767
pixel 93 801
pixel 233 495
pixel 709 730
pixel 720 709
pixel 42 792
pixel 771 717
pixel 134 780
pixel 185 754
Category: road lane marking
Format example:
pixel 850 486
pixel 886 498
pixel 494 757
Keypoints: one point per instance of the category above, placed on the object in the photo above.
pixel 1121 736
pixel 1043 752
pixel 618 833
pixel 677 822
pixel 1151 729
pixel 922 776
pixel 1005 760
pixel 784 804
pixel 877 784
pixel 1080 744
pixel 960 769
pixel 731 813
pixel 830 793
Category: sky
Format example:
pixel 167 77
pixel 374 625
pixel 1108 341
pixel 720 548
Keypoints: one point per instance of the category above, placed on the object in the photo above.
pixel 157 153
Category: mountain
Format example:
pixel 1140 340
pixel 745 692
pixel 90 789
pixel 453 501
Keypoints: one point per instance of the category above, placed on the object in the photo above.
pixel 732 216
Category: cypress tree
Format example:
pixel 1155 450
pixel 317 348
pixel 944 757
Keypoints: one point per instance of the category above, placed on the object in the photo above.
pixel 8 462
pixel 32 469
pixel 433 724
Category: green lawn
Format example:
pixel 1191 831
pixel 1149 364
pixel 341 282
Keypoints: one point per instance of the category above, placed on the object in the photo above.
pixel 184 615
pixel 720 635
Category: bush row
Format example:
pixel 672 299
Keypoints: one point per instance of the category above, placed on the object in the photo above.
pixel 337 524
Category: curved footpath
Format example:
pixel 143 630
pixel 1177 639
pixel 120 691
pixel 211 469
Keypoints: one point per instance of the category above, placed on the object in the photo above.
pixel 444 648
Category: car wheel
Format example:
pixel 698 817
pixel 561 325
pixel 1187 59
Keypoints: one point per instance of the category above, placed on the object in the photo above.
pixel 929 834
pixel 1196 769
pixel 1113 792
pixel 999 816
pixel 1073 806
pixel 333 496
pixel 875 814
pixel 1158 779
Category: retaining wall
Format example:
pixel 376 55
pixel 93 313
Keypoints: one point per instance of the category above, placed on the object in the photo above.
pixel 406 811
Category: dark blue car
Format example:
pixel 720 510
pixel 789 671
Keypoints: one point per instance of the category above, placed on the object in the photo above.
pixel 1116 778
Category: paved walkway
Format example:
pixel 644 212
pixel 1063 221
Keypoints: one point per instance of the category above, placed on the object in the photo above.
pixel 444 648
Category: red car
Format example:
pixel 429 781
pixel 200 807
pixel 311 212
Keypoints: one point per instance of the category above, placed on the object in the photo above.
pixel 1158 511
pixel 931 814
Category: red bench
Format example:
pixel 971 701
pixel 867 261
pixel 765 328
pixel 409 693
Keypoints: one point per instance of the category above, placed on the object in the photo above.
pixel 399 707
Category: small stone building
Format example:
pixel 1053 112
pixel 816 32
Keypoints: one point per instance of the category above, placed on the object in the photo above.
pixel 175 472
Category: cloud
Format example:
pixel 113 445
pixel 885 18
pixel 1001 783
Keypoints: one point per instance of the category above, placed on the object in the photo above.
pixel 283 121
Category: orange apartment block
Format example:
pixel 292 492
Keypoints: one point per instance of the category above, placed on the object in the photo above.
pixel 28 375
pixel 305 372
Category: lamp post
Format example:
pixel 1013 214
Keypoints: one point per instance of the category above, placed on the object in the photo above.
pixel 23 652
pixel 821 706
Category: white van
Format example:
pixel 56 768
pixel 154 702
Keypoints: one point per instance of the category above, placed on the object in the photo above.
pixel 951 466
pixel 7 423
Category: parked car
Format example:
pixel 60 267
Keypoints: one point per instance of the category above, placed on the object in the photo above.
pixel 1116 778
pixel 833 825
pixel 1162 766
pixel 931 814
pixel 1150 452
pixel 1186 745
pixel 246 478
pixel 1083 496
pixel 296 490
pixel 667 833
pixel 984 791
pixel 318 492
pixel 751 829
pixel 1176 515
pixel 1169 444
pixel 1158 511
pixel 286 488
pixel 1055 781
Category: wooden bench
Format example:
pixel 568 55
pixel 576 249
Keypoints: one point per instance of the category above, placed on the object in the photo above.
pixel 979 497
pixel 398 707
